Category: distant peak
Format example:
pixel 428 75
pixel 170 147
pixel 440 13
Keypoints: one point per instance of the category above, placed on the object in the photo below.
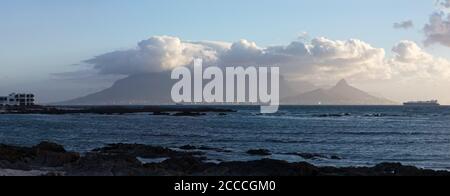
pixel 342 82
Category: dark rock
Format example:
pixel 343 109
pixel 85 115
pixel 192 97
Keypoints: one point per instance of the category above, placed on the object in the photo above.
pixel 314 156
pixel 121 160
pixel 161 114
pixel 267 167
pixel 334 157
pixel 259 152
pixel 94 164
pixel 53 155
pixel 111 110
pixel 397 169
pixel 185 165
pixel 188 147
pixel 44 154
pixel 204 148
pixel 50 147
pixel 332 115
pixel 144 151
pixel 14 154
pixel 192 114
pixel 384 169
pixel 309 156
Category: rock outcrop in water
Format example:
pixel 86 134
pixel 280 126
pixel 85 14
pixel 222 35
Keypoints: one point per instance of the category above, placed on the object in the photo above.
pixel 314 156
pixel 259 152
pixel 124 160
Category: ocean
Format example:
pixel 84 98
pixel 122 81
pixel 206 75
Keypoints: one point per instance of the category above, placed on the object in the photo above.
pixel 353 135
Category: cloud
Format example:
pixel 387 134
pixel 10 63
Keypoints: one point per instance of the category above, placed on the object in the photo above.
pixel 156 54
pixel 437 31
pixel 242 53
pixel 319 60
pixel 412 61
pixel 324 58
pixel 445 3
pixel 303 35
pixel 404 25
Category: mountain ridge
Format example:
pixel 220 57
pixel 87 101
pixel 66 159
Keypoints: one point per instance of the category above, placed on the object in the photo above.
pixel 155 89
pixel 341 94
pixel 134 90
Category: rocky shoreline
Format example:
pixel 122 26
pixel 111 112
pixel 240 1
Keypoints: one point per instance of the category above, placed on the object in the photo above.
pixel 50 159
pixel 115 110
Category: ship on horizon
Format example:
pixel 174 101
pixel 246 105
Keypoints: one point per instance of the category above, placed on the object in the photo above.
pixel 422 103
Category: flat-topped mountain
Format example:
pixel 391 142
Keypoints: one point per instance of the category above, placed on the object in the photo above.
pixel 143 89
pixel 155 89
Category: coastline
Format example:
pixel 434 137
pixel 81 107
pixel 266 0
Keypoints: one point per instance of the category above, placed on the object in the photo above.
pixel 50 159
pixel 113 110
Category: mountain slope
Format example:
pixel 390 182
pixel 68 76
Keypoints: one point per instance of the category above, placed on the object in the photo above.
pixel 144 89
pixel 149 89
pixel 341 94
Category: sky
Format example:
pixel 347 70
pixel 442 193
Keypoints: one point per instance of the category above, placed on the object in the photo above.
pixel 44 43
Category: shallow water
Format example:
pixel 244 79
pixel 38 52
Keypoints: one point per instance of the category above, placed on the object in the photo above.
pixel 360 135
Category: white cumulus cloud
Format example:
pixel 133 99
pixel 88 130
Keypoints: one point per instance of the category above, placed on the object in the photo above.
pixel 320 59
pixel 324 58
pixel 156 54
pixel 411 60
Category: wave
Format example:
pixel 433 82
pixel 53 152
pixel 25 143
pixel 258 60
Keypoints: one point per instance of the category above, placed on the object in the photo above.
pixel 159 135
pixel 381 133
pixel 342 115
pixel 380 115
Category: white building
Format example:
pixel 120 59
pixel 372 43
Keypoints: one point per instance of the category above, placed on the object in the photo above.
pixel 3 101
pixel 17 100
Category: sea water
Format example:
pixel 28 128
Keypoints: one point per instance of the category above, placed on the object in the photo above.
pixel 358 135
